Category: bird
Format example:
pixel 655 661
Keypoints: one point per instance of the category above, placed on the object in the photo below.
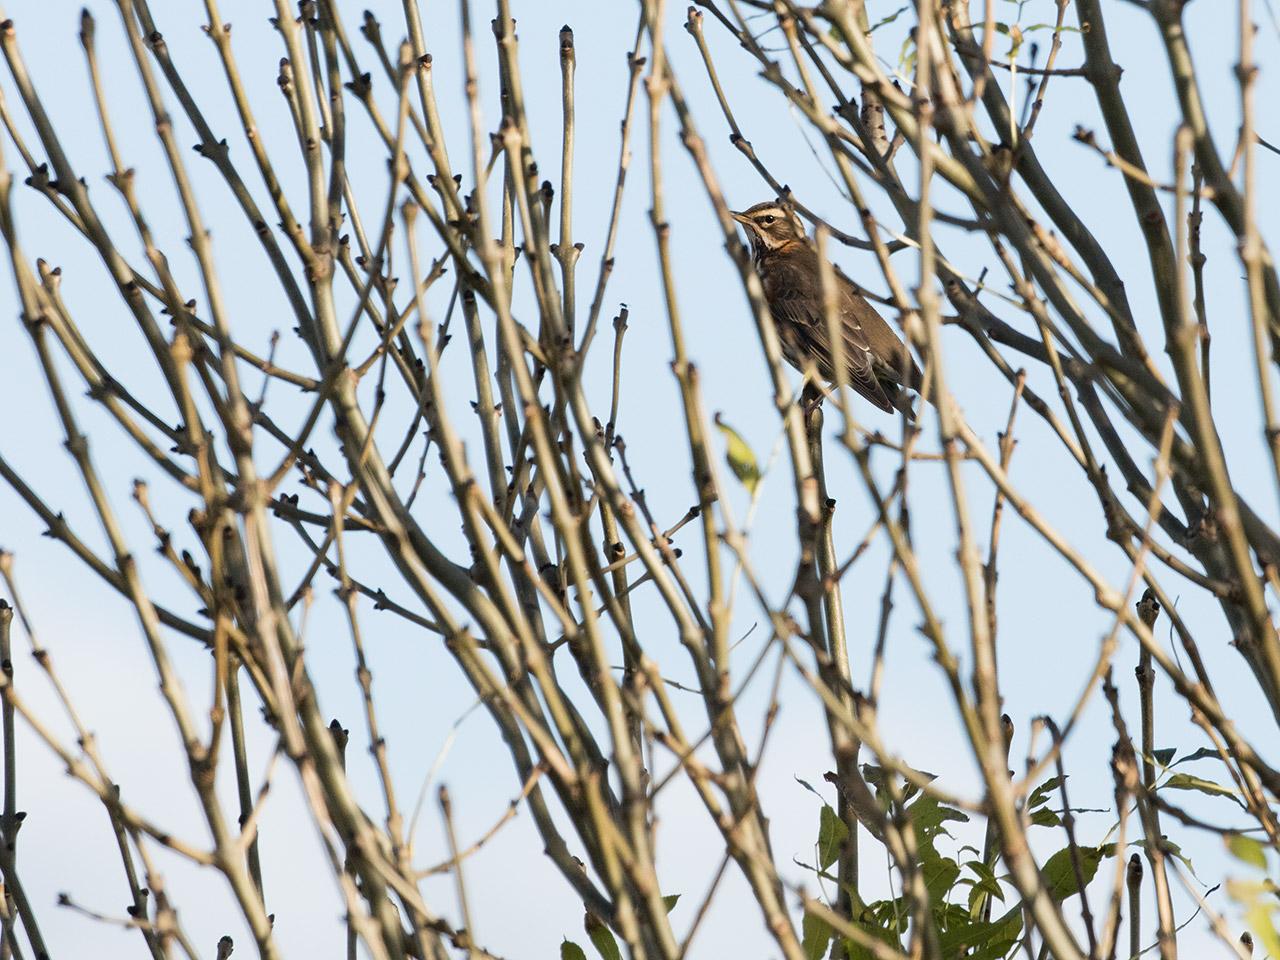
pixel 877 362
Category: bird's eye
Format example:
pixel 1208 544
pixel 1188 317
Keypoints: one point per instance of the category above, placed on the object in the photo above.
pixel 768 220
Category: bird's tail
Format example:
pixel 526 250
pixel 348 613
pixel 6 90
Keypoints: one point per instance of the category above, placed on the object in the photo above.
pixel 901 399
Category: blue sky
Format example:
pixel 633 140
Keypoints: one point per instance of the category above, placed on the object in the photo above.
pixel 1049 627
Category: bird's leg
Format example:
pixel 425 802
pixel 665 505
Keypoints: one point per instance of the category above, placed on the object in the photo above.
pixel 810 398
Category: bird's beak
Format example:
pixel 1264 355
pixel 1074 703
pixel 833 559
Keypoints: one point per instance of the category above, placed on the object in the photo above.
pixel 740 217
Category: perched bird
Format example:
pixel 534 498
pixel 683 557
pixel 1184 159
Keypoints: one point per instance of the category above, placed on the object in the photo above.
pixel 878 365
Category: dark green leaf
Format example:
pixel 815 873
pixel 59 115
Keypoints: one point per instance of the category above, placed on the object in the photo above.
pixel 602 939
pixel 891 914
pixel 1040 795
pixel 939 876
pixel 883 921
pixel 1201 754
pixel 964 933
pixel 1002 939
pixel 1060 875
pixel 1163 757
pixel 670 901
pixel 832 833
pixel 927 817
pixel 985 884
pixel 1044 817
pixel 571 951
pixel 817 934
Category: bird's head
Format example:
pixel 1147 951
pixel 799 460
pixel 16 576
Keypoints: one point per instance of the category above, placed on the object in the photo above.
pixel 770 225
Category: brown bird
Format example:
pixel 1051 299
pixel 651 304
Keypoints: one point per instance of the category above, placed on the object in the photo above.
pixel 878 365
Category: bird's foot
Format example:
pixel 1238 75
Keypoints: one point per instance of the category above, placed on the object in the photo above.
pixel 811 400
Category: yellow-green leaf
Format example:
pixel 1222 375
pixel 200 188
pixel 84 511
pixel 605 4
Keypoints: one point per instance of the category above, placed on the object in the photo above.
pixel 1257 899
pixel 740 456
pixel 1185 781
pixel 1247 849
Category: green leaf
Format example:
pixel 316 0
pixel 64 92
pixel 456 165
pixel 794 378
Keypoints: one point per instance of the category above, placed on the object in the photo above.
pixel 880 778
pixel 985 884
pixel 571 951
pixel 1041 815
pixel 1060 875
pixel 1168 846
pixel 816 935
pixel 889 19
pixel 1007 930
pixel 890 915
pixel 907 55
pixel 602 938
pixel 883 920
pixel 808 786
pixel 832 833
pixel 1040 795
pixel 1247 849
pixel 1050 26
pixel 670 901
pixel 1044 817
pixel 963 933
pixel 1185 781
pixel 740 457
pixel 1164 756
pixel 1202 754
pixel 927 818
pixel 940 875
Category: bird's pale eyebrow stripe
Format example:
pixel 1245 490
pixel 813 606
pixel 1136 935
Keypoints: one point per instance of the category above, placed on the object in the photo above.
pixel 767 212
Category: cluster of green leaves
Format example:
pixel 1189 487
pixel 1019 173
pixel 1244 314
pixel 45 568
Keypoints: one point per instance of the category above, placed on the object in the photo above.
pixel 601 937
pixel 961 888
pixel 1014 30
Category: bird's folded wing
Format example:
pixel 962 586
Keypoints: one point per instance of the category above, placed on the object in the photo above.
pixel 886 346
pixel 804 313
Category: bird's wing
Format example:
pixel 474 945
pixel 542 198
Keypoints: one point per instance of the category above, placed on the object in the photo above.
pixel 797 307
pixel 885 345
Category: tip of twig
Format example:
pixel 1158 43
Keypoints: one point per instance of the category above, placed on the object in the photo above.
pixel 1135 870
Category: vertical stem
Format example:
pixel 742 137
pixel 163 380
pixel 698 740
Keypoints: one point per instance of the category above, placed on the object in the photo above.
pixel 845 746
pixel 566 251
pixel 235 717
pixel 1148 611
pixel 340 736
pixel 446 808
pixel 991 839
pixel 1133 879
pixel 8 945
